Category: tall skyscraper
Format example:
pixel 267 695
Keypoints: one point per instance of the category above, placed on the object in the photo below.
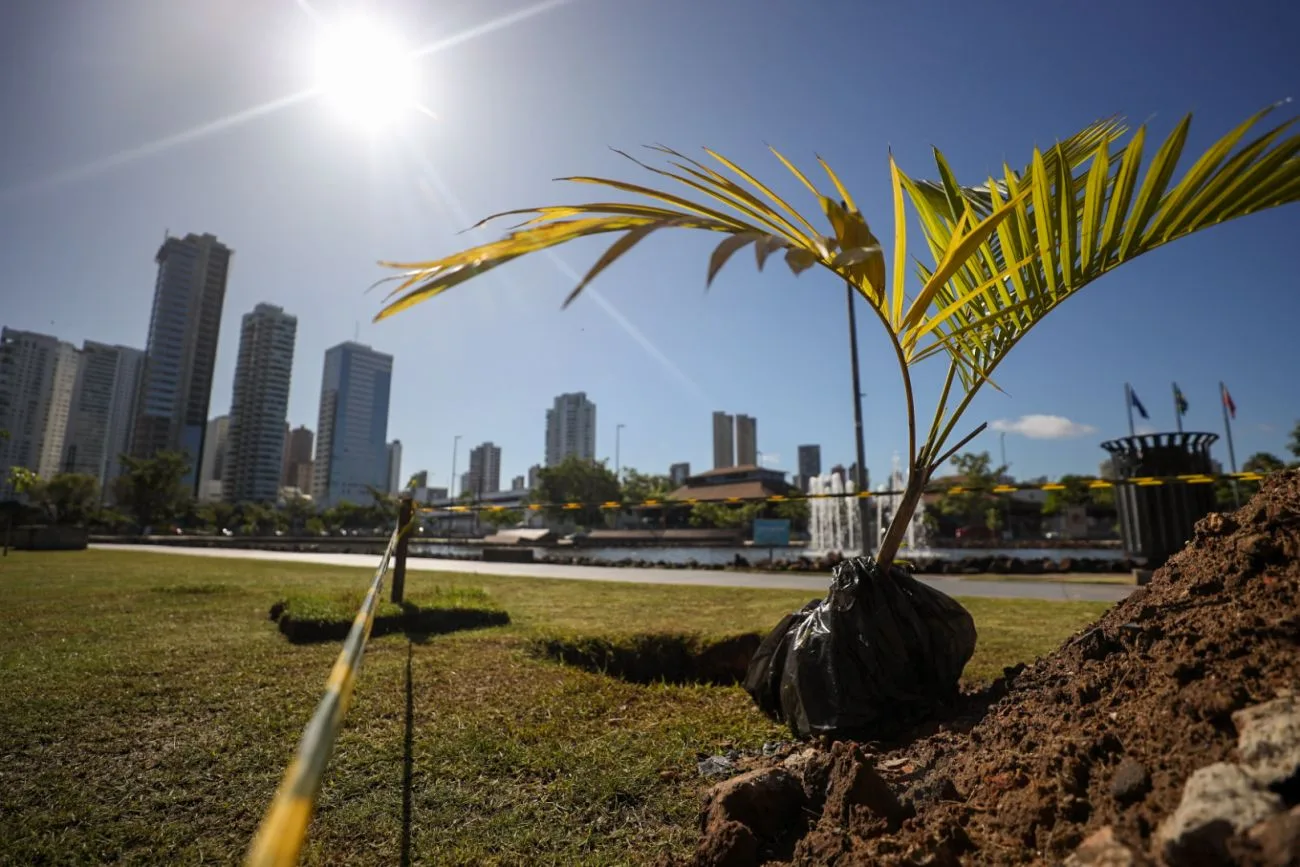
pixel 297 459
pixel 172 410
pixel 810 464
pixel 352 433
pixel 724 451
pixel 570 428
pixel 519 483
pixel 746 441
pixel 212 469
pixel 484 476
pixel 38 375
pixel 679 473
pixel 102 412
pixel 255 452
pixel 534 475
pixel 394 471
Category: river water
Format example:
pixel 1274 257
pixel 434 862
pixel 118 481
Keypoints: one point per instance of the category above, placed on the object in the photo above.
pixel 725 555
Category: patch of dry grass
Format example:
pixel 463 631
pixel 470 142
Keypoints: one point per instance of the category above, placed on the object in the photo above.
pixel 150 706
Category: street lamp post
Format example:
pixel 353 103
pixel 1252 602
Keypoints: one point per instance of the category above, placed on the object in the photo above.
pixel 1002 444
pixel 451 483
pixel 618 441
pixel 859 483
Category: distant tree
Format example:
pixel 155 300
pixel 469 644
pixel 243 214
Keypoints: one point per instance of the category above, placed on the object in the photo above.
pixel 110 520
pixel 499 518
pixel 67 498
pixel 1076 493
pixel 1294 445
pixel 1263 462
pixel 315 526
pixel 258 519
pixel 72 497
pixel 576 480
pixel 993 518
pixel 797 512
pixel 297 510
pixel 150 488
pixel 724 515
pixel 216 516
pixel 979 476
pixel 382 510
pixel 344 515
pixel 639 487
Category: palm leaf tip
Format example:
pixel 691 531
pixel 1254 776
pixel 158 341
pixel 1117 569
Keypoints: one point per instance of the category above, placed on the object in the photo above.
pixel 737 204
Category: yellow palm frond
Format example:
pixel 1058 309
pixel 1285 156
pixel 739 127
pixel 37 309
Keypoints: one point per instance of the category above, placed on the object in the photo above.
pixel 740 206
pixel 1083 213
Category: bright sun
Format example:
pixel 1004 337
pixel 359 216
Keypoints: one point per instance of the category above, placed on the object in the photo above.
pixel 366 71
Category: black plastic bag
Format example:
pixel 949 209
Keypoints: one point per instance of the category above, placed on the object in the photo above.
pixel 880 653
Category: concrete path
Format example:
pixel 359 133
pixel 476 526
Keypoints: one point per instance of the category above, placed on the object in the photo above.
pixel 814 584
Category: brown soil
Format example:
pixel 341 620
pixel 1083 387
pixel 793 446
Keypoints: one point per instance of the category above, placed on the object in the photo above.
pixel 1103 732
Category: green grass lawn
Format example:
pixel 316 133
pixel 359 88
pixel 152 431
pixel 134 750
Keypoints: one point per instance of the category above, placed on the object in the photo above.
pixel 148 707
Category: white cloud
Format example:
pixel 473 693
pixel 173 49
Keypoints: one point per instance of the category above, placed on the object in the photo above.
pixel 1144 429
pixel 1043 427
pixel 769 459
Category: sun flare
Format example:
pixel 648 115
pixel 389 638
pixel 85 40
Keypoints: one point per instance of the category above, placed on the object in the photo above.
pixel 366 71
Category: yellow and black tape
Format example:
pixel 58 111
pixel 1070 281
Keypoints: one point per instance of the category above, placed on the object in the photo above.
pixel 279 838
pixel 1090 484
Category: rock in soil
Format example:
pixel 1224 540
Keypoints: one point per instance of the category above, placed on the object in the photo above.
pixel 1104 733
pixel 1219 802
pixel 1101 849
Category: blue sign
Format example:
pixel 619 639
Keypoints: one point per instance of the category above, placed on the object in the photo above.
pixel 771 532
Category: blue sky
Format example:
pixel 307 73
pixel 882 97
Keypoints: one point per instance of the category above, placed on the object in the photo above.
pixel 133 117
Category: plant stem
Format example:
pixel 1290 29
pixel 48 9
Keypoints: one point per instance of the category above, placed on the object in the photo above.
pixel 917 478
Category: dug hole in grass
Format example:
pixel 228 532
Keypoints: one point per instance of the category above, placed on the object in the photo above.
pixel 652 657
pixel 305 618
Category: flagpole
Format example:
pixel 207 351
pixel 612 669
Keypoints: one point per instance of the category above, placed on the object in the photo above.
pixel 1232 455
pixel 1178 409
pixel 1128 402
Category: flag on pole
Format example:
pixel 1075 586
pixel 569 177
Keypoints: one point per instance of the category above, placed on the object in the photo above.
pixel 1180 402
pixel 1137 404
pixel 1227 401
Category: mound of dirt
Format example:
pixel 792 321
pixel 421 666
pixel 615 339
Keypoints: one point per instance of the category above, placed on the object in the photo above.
pixel 1086 754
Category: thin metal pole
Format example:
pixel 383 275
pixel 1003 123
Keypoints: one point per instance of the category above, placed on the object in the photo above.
pixel 618 435
pixel 859 483
pixel 1232 454
pixel 451 483
pixel 1178 409
pixel 1002 443
pixel 1128 401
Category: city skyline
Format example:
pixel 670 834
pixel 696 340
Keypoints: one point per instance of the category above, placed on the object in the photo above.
pixel 652 349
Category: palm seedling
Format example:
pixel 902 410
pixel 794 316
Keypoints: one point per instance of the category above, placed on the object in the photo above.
pixel 1003 254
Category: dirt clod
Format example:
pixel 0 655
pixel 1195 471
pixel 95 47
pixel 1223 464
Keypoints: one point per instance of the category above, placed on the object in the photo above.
pixel 1163 694
pixel 1129 782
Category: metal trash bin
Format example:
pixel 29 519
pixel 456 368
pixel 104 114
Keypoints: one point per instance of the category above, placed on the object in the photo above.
pixel 1156 520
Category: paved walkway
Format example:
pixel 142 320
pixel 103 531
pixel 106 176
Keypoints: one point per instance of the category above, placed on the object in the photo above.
pixel 815 584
